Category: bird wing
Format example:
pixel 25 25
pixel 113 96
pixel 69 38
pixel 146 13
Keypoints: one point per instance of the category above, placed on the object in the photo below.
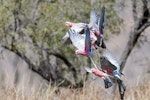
pixel 87 41
pixel 101 20
pixel 78 40
pixel 94 18
pixel 108 60
pixel 66 36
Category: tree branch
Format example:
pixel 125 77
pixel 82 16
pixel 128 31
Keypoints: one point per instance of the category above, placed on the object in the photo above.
pixel 134 5
pixel 139 27
pixel 143 27
pixel 134 36
pixel 62 57
pixel 145 15
pixel 28 61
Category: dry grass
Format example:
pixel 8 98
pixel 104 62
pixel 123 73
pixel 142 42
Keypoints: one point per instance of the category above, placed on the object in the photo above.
pixel 89 92
pixel 139 92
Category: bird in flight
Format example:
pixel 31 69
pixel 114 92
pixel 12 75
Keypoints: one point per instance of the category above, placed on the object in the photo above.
pixel 82 43
pixel 101 74
pixel 97 26
pixel 110 65
pixel 86 37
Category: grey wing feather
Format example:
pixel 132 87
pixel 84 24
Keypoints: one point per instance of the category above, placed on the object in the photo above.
pixel 102 20
pixel 94 18
pixel 110 57
pixel 66 36
pixel 78 40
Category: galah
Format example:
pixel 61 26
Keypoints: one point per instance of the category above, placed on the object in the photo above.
pixel 101 74
pixel 110 65
pixel 97 26
pixel 101 23
pixel 78 27
pixel 82 43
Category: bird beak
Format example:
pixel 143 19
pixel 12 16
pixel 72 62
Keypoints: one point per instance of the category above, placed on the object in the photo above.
pixel 69 24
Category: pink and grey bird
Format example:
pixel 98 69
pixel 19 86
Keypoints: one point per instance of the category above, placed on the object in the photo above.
pixel 100 74
pixel 97 26
pixel 110 65
pixel 81 42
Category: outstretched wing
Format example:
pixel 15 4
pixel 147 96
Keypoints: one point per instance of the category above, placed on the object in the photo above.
pixel 94 18
pixel 78 40
pixel 66 36
pixel 102 20
pixel 108 60
pixel 87 41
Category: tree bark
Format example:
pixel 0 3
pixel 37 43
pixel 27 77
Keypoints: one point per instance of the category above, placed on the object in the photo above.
pixel 140 24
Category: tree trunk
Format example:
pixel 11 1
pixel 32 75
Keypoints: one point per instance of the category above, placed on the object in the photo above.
pixel 140 24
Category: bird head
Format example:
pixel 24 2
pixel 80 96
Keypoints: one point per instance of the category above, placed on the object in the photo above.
pixel 77 52
pixel 97 72
pixel 80 52
pixel 69 24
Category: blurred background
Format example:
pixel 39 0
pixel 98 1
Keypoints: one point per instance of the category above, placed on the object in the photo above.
pixel 33 55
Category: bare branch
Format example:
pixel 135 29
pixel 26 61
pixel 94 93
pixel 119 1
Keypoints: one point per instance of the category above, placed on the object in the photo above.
pixel 33 67
pixel 147 24
pixel 134 5
pixel 139 26
pixel 145 15
pixel 62 57
pixel 134 36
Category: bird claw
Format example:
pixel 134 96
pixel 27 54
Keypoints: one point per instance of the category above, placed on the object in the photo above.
pixel 107 83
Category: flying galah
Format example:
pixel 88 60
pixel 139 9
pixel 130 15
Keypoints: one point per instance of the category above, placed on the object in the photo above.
pixel 81 42
pixel 101 74
pixel 97 26
pixel 110 65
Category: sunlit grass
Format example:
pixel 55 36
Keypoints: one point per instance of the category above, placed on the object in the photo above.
pixel 88 92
